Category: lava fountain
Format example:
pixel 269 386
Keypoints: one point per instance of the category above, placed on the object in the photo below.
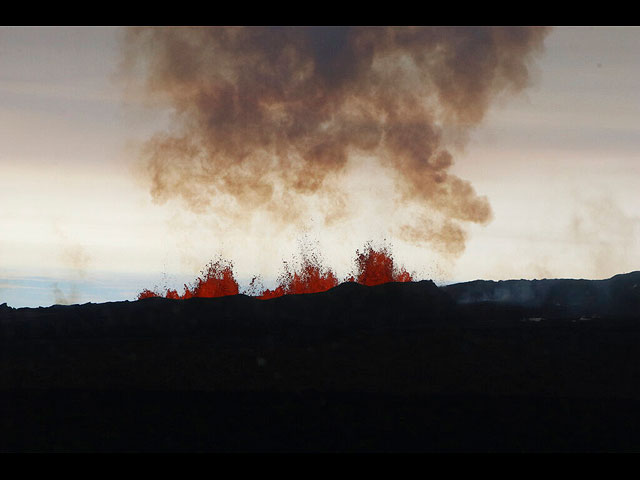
pixel 372 267
pixel 216 280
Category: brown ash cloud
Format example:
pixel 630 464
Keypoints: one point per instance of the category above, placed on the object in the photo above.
pixel 264 120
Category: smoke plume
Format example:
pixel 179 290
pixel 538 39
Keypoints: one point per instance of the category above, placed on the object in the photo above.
pixel 266 119
pixel 77 260
pixel 604 235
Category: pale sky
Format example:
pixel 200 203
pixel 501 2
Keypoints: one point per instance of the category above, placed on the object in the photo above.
pixel 559 163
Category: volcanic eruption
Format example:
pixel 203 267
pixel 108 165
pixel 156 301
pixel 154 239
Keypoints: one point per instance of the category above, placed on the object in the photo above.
pixel 373 266
pixel 348 134
pixel 216 280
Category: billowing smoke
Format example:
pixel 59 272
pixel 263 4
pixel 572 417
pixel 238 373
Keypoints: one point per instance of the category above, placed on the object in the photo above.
pixel 604 235
pixel 266 119
pixel 76 259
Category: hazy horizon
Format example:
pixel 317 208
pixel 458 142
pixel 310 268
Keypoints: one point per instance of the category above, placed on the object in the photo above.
pixel 558 163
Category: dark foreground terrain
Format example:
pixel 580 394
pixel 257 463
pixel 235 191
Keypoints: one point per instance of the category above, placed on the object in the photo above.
pixel 485 366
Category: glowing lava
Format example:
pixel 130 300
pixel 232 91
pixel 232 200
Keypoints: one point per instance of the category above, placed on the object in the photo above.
pixel 312 278
pixel 373 267
pixel 216 280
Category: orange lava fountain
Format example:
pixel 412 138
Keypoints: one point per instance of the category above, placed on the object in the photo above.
pixel 373 267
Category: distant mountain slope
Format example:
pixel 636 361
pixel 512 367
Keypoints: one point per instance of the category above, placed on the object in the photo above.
pixel 349 305
pixel 619 295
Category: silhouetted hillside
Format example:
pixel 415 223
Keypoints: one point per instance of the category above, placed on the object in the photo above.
pixel 533 365
pixel 618 295
pixel 347 306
